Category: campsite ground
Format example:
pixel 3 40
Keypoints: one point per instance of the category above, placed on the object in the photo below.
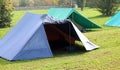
pixel 107 57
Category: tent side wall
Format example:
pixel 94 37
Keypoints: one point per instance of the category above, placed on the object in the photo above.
pixel 36 47
pixel 82 21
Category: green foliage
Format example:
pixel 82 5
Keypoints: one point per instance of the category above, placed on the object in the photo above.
pixel 5 12
pixel 107 7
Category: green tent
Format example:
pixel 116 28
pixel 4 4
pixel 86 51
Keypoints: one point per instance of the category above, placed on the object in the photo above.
pixel 71 13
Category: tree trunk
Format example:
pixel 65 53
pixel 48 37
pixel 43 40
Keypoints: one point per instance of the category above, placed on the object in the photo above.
pixel 83 3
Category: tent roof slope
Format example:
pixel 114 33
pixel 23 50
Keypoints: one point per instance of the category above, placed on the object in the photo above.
pixel 75 16
pixel 114 21
pixel 60 13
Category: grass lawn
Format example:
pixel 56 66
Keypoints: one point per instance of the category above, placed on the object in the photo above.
pixel 107 57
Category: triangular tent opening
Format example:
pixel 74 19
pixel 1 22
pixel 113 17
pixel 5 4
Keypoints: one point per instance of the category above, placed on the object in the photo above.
pixel 31 37
pixel 114 21
pixel 61 36
pixel 71 13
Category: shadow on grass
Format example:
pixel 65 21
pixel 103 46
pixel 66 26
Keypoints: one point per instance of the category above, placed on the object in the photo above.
pixel 92 30
pixel 57 53
pixel 69 52
pixel 99 16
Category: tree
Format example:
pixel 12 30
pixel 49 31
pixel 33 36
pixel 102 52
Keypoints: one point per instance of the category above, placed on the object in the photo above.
pixel 31 2
pixel 107 7
pixel 49 2
pixel 39 2
pixel 65 3
pixel 91 3
pixel 5 13
pixel 55 2
pixel 24 3
pixel 81 4
pixel 15 3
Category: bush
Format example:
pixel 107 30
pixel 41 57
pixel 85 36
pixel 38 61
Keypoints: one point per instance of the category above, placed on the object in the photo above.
pixel 107 7
pixel 5 13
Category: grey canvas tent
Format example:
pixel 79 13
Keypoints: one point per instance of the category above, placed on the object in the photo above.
pixel 30 38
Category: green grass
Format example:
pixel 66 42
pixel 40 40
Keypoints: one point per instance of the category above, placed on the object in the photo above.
pixel 107 57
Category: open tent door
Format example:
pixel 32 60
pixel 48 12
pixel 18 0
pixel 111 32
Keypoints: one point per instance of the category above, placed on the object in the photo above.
pixel 68 33
pixel 87 44
pixel 60 36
